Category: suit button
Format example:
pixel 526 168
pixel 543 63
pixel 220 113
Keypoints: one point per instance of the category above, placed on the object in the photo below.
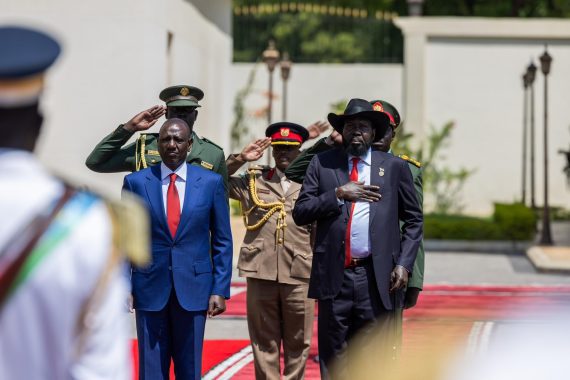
pixel 169 267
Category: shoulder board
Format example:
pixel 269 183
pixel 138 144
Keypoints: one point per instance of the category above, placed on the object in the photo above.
pixel 131 229
pixel 149 135
pixel 260 168
pixel 211 143
pixel 410 160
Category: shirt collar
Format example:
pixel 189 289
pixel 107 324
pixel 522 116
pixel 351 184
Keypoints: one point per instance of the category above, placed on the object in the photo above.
pixel 180 171
pixel 280 174
pixel 366 158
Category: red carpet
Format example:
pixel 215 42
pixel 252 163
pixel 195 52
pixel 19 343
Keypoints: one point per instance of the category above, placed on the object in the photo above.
pixel 451 309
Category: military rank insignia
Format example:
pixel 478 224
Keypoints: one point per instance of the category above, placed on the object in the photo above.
pixel 207 165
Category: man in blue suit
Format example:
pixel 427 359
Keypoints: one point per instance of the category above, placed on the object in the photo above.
pixel 190 273
pixel 361 262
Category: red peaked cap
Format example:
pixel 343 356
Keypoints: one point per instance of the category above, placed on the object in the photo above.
pixel 285 133
pixel 388 109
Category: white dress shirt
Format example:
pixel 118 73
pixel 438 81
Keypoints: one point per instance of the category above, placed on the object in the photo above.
pixel 180 183
pixel 359 229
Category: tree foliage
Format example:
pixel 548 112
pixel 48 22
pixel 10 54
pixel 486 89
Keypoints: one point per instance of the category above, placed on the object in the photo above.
pixel 442 184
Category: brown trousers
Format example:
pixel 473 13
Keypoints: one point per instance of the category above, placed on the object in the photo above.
pixel 279 314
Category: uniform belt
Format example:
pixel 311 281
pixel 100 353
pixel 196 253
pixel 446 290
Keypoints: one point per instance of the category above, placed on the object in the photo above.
pixel 358 262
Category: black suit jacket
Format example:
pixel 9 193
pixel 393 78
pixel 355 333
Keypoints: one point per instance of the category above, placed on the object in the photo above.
pixel 317 202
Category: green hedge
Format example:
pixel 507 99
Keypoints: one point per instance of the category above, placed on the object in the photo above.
pixel 509 222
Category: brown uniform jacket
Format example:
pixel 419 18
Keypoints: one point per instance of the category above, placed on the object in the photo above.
pixel 262 254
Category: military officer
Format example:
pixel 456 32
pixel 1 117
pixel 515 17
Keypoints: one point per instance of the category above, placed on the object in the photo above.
pixel 275 256
pixel 62 285
pixel 296 172
pixel 110 156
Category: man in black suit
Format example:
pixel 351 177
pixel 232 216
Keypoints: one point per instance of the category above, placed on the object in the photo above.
pixel 361 262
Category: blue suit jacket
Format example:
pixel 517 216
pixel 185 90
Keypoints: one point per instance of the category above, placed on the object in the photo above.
pixel 197 262
pixel 317 202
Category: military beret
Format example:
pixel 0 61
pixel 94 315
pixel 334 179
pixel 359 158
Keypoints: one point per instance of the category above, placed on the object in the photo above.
pixel 388 109
pixel 285 133
pixel 26 55
pixel 181 96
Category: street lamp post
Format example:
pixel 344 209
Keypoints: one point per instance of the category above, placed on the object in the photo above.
pixel 285 73
pixel 270 57
pixel 531 75
pixel 546 238
pixel 524 142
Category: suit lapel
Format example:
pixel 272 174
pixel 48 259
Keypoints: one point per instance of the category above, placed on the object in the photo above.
pixel 376 179
pixel 342 177
pixel 153 187
pixel 294 188
pixel 193 181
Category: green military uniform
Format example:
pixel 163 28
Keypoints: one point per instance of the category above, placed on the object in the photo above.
pixel 109 156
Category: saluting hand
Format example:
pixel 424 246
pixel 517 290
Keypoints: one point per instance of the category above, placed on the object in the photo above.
pixel 145 119
pixel 254 150
pixel 399 278
pixel 317 128
pixel 216 305
pixel 358 191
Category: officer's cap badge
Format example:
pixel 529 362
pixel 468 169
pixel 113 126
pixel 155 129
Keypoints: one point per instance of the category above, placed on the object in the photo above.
pixel 378 107
pixel 184 91
pixel 284 132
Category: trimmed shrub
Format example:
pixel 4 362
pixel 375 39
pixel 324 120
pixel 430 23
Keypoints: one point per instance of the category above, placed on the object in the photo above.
pixel 509 222
pixel 516 221
pixel 459 227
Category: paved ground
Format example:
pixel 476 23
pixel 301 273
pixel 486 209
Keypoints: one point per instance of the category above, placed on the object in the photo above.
pixel 454 268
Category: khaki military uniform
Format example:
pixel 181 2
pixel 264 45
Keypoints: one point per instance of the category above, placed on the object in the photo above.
pixel 276 260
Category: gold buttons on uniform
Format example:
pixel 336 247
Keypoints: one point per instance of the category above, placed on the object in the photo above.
pixel 282 199
pixel 280 241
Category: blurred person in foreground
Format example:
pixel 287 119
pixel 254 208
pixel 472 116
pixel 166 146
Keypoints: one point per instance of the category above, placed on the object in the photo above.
pixel 361 261
pixel 275 256
pixel 189 277
pixel 62 282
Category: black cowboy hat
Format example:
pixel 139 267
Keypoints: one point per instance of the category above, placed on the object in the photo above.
pixel 362 109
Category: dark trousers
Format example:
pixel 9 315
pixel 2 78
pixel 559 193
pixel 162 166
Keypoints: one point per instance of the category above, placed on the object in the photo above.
pixel 171 333
pixel 356 310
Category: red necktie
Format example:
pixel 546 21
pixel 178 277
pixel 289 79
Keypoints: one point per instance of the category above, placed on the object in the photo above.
pixel 353 177
pixel 172 205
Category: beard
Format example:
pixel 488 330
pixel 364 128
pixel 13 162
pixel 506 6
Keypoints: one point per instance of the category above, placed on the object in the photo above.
pixel 357 150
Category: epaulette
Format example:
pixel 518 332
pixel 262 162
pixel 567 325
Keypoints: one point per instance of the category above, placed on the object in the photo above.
pixel 261 168
pixel 131 229
pixel 410 160
pixel 211 143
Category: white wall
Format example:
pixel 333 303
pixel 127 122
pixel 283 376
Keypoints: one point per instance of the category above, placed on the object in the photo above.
pixel 312 88
pixel 114 64
pixel 470 71
pixel 477 83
